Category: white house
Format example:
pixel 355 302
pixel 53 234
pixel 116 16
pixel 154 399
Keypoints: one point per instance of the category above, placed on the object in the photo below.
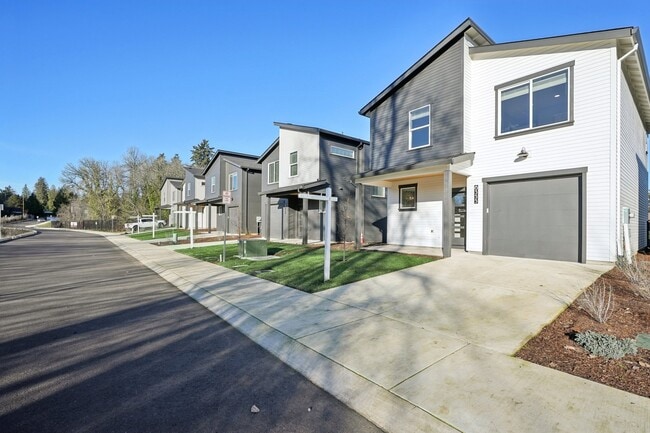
pixel 532 148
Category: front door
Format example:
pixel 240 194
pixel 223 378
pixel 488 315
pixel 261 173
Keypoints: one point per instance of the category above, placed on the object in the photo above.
pixel 459 197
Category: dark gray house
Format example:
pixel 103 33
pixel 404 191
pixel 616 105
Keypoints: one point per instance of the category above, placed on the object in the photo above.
pixel 239 175
pixel 306 159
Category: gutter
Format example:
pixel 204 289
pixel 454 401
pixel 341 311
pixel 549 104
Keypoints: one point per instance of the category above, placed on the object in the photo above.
pixel 619 72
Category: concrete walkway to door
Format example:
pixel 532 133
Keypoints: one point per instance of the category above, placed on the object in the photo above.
pixel 425 349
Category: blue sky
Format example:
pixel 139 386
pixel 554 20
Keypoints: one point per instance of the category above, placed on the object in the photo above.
pixel 92 78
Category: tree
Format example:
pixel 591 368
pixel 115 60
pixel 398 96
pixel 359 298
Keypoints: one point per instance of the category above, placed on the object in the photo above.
pixel 41 191
pixel 202 154
pixel 98 184
pixel 33 206
pixel 25 195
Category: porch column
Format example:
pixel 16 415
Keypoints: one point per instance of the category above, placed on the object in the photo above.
pixel 305 220
pixel 267 219
pixel 209 218
pixel 447 214
pixel 359 216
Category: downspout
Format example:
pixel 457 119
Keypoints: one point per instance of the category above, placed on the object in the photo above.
pixel 619 71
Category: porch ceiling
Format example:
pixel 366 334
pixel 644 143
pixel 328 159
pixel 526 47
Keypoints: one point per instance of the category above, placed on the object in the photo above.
pixel 427 168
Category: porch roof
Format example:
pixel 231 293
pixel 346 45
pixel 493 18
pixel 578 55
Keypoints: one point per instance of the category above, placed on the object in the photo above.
pixel 435 166
pixel 296 189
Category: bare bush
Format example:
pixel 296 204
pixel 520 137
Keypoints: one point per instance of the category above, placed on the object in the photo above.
pixel 597 301
pixel 637 273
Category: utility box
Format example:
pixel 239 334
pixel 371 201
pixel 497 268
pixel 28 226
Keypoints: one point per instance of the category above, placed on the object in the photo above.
pixel 253 248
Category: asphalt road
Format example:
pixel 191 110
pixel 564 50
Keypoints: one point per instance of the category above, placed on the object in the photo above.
pixel 92 341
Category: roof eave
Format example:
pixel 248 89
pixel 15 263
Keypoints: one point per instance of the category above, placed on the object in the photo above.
pixel 439 48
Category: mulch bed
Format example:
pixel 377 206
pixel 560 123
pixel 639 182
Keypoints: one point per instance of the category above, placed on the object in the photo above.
pixel 554 347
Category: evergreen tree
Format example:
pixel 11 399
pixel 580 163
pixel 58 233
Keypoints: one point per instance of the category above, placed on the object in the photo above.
pixel 41 191
pixel 202 154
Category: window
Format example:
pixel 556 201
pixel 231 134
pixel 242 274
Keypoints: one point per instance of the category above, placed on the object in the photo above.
pixel 535 102
pixel 293 164
pixel 213 183
pixel 233 183
pixel 274 172
pixel 378 191
pixel 419 127
pixel 339 151
pixel 408 197
pixel 189 188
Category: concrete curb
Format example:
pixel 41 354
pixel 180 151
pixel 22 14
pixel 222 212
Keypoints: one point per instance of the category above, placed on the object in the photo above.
pixel 20 236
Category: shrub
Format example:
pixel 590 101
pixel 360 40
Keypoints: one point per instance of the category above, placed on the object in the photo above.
pixel 638 274
pixel 597 301
pixel 605 345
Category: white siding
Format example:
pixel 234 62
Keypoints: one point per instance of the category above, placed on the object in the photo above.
pixel 634 168
pixel 586 143
pixel 421 227
pixel 306 144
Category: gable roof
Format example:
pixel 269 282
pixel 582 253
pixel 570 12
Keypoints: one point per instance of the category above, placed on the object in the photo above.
pixel 227 153
pixel 311 130
pixel 197 172
pixel 176 182
pixel 468 27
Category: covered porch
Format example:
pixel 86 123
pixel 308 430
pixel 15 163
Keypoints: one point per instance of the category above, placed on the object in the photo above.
pixel 426 202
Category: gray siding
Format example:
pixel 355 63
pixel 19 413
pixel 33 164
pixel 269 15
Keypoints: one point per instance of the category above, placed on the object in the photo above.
pixel 273 156
pixel 439 85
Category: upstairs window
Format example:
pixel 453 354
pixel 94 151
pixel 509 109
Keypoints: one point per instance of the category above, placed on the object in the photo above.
pixel 274 172
pixel 340 151
pixel 188 188
pixel 419 121
pixel 233 182
pixel 213 183
pixel 534 102
pixel 293 164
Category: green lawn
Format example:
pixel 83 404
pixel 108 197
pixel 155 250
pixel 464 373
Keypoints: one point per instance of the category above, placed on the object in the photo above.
pixel 301 267
pixel 160 234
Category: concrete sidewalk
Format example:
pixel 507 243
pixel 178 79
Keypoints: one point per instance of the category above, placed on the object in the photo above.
pixel 426 349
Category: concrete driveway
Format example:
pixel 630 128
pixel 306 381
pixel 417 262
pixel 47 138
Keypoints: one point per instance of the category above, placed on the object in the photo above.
pixel 494 302
pixel 426 349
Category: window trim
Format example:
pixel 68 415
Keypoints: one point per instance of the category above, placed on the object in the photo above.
pixel 291 165
pixel 411 130
pixel 213 183
pixel 230 178
pixel 276 164
pixel 343 150
pixel 408 186
pixel 528 79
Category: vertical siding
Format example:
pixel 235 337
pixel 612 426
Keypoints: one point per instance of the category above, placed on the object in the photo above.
pixel 213 171
pixel 273 156
pixel 306 144
pixel 586 143
pixel 634 169
pixel 439 85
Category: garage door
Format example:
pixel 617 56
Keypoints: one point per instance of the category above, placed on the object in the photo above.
pixel 536 218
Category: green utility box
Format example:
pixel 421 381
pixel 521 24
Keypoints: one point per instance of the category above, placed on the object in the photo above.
pixel 253 248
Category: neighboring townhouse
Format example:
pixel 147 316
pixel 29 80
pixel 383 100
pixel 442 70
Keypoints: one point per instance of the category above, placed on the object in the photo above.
pixel 533 148
pixel 305 159
pixel 193 197
pixel 240 175
pixel 170 197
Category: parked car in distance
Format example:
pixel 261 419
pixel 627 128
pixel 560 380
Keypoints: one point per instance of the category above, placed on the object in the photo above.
pixel 137 224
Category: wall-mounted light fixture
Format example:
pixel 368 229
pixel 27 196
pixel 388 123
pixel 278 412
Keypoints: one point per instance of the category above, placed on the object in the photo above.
pixel 523 154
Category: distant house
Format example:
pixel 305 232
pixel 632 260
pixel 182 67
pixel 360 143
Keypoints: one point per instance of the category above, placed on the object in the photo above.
pixel 170 197
pixel 532 148
pixel 306 159
pixel 193 195
pixel 240 175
